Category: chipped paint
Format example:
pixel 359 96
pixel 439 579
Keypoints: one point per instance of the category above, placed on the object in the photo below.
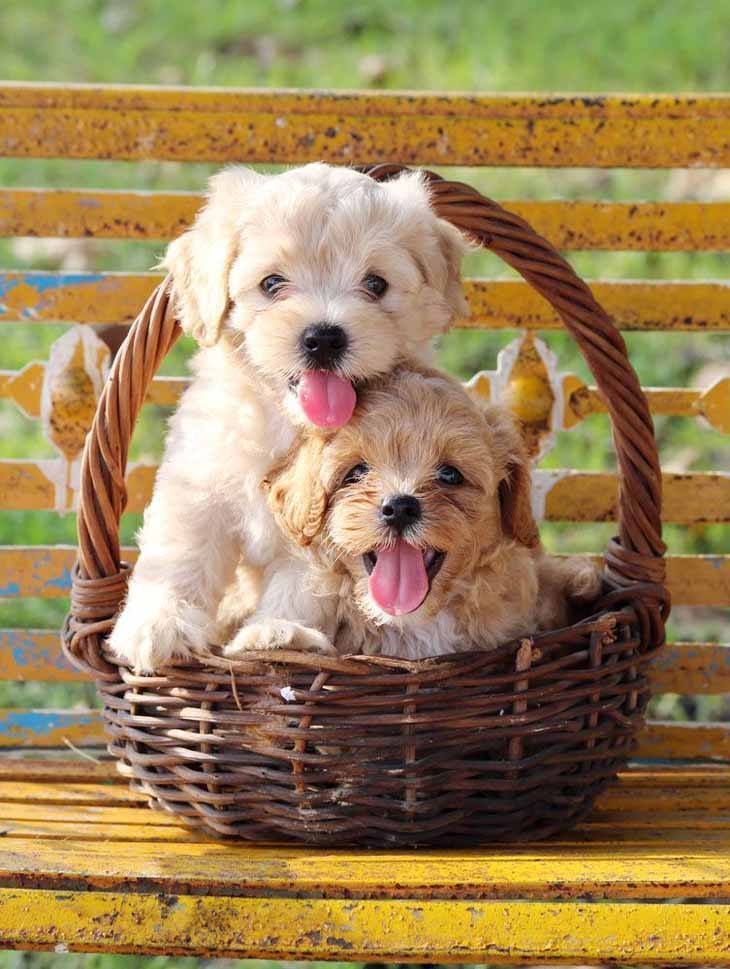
pixel 62 582
pixel 568 225
pixel 698 668
pixel 495 304
pixel 714 405
pixel 694 668
pixel 361 127
pixel 292 928
pixel 73 378
pixel 37 297
pixel 542 484
pixel 34 654
pixel 41 570
pixel 50 728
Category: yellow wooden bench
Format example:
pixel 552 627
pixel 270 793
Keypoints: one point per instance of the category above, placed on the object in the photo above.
pixel 84 865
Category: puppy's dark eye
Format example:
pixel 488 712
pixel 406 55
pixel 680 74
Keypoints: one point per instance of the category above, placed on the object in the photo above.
pixel 375 285
pixel 355 474
pixel 272 284
pixel 449 475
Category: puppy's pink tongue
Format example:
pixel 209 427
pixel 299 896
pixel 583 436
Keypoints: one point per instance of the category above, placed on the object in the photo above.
pixel 326 399
pixel 399 583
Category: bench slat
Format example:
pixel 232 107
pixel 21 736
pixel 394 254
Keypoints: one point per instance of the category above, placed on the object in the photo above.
pixel 661 740
pixel 366 930
pixel 42 788
pixel 98 213
pixel 28 655
pixel 118 817
pixel 24 387
pixel 50 728
pixel 537 871
pixel 44 571
pixel 576 496
pixel 569 225
pixel 43 297
pixel 692 668
pixel 42 120
pixel 61 771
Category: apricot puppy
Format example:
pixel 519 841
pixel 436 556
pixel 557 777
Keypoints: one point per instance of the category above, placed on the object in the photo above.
pixel 416 523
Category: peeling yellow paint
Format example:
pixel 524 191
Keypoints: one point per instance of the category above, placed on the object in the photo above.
pixel 361 127
pixel 495 304
pixel 714 405
pixel 44 571
pixel 578 496
pixel 24 387
pixel 568 225
pixel 428 931
pixel 571 867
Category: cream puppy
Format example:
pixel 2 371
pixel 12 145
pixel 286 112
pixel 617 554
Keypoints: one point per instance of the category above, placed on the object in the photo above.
pixel 417 524
pixel 298 287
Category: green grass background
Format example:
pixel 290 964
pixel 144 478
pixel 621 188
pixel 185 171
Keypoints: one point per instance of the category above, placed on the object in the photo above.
pixel 472 45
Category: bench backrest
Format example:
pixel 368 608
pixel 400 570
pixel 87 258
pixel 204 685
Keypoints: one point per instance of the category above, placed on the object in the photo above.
pixel 114 123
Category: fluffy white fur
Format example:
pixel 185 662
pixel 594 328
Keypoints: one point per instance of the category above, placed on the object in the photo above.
pixel 324 229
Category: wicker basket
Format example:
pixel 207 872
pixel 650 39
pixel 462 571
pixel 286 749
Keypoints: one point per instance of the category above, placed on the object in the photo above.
pixel 507 745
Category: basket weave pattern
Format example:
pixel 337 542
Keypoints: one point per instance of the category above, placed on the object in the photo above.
pixel 511 744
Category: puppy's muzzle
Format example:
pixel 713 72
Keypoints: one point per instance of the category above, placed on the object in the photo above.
pixel 400 512
pixel 323 345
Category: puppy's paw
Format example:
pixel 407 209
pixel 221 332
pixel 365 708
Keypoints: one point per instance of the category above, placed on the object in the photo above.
pixel 584 584
pixel 154 631
pixel 278 634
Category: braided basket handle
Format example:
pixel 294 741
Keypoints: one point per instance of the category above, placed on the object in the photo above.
pixel 634 557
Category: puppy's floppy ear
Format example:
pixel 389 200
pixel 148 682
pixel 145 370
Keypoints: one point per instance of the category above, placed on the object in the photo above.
pixel 201 258
pixel 453 246
pixel 439 247
pixel 515 489
pixel 297 497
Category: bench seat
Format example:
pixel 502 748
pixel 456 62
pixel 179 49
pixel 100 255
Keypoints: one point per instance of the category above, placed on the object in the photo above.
pixel 84 865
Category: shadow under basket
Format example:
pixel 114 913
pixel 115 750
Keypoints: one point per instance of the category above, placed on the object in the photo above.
pixel 511 744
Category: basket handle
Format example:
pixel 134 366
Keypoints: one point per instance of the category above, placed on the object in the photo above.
pixel 634 557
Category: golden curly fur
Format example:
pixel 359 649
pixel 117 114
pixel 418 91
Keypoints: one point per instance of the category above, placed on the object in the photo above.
pixel 494 583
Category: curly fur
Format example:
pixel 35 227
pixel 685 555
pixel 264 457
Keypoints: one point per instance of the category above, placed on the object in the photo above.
pixel 496 581
pixel 324 229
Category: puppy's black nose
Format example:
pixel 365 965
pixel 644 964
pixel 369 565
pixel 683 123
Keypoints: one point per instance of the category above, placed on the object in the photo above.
pixel 323 344
pixel 400 511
